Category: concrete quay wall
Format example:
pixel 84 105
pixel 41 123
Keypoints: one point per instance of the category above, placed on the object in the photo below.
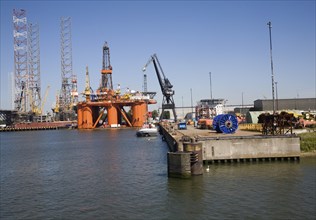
pixel 217 147
pixel 251 147
pixel 167 135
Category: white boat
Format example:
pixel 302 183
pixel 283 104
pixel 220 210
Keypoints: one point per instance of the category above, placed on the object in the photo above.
pixel 147 130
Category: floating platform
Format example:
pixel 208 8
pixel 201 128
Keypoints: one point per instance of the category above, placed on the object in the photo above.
pixel 89 113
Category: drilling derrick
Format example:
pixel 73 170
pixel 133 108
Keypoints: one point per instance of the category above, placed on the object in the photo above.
pixel 69 80
pixel 20 59
pixel 34 86
pixel 106 81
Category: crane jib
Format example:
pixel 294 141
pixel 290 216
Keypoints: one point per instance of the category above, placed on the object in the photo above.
pixel 165 86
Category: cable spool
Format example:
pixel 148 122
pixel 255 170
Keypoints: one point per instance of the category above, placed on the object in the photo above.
pixel 225 123
pixel 215 122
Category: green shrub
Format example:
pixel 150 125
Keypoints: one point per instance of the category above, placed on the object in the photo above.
pixel 308 141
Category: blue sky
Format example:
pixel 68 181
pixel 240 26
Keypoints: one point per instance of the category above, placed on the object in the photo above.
pixel 191 39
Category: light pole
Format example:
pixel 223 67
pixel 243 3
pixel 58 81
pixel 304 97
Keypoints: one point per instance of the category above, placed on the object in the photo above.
pixel 272 74
pixel 211 84
pixel 191 101
pixel 182 108
pixel 242 103
pixel 276 93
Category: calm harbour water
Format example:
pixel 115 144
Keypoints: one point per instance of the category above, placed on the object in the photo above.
pixel 112 174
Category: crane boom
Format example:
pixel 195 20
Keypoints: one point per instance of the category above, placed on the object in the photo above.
pixel 165 86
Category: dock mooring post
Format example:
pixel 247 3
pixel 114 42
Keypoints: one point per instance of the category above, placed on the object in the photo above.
pixel 196 159
pixel 184 164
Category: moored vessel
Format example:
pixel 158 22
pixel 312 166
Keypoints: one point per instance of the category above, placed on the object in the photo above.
pixel 147 130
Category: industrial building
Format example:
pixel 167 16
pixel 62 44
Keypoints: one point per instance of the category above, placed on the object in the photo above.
pixel 304 104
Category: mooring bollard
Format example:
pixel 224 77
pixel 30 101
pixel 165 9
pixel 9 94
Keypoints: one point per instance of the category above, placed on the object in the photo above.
pixel 196 157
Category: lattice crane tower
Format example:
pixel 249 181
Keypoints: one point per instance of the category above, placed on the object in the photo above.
pixel 20 59
pixel 69 80
pixel 34 85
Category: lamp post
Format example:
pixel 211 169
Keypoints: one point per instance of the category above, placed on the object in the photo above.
pixel 182 108
pixel 272 74
pixel 276 93
pixel 242 103
pixel 211 85
pixel 191 101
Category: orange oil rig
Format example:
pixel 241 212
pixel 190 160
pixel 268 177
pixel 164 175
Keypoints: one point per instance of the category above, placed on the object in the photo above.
pixel 105 107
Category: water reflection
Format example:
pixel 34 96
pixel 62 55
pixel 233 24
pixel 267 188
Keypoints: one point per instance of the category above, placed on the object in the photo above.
pixel 112 174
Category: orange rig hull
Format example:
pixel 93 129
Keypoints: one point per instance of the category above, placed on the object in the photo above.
pixel 91 113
